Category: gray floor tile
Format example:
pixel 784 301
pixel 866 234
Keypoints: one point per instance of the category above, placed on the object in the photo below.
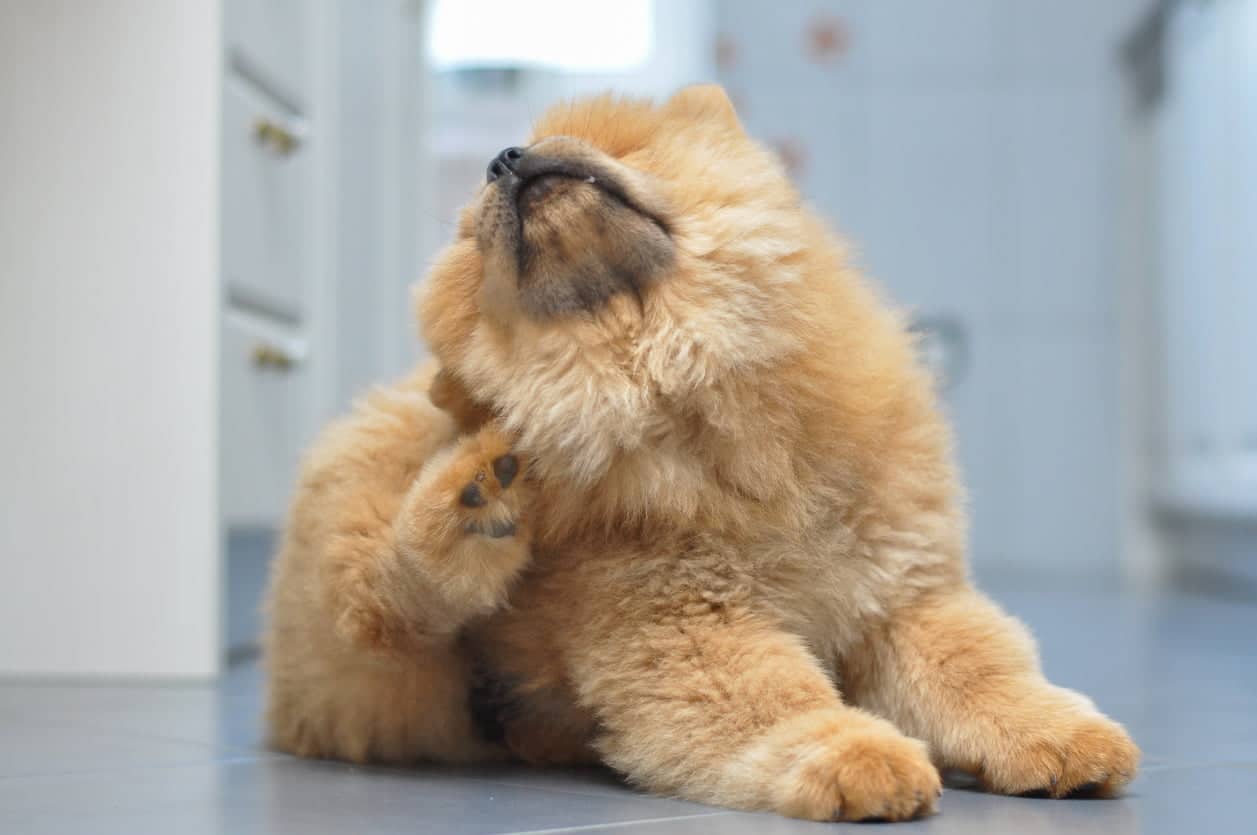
pixel 1215 800
pixel 37 747
pixel 727 823
pixel 1194 735
pixel 1181 672
pixel 1167 802
pixel 226 714
pixel 282 795
pixel 596 781
pixel 962 813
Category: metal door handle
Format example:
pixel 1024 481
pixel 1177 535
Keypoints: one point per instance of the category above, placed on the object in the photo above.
pixel 275 136
pixel 271 357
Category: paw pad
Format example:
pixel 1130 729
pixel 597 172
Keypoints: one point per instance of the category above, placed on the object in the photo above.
pixel 471 496
pixel 506 467
pixel 484 492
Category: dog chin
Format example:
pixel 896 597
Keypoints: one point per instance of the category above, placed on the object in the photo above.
pixel 563 236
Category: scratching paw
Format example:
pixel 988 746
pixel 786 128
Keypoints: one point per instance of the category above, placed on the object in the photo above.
pixel 484 501
pixel 465 524
pixel 486 485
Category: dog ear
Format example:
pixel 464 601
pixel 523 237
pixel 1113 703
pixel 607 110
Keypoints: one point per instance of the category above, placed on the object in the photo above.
pixel 448 394
pixel 703 101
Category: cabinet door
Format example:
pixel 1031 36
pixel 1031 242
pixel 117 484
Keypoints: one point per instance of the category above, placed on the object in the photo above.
pixel 265 419
pixel 267 191
pixel 271 42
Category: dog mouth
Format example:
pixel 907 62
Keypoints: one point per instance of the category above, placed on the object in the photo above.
pixel 532 179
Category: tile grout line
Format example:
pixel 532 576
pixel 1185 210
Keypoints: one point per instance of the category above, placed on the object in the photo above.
pixel 43 775
pixel 1188 766
pixel 617 793
pixel 599 793
pixel 593 827
pixel 123 731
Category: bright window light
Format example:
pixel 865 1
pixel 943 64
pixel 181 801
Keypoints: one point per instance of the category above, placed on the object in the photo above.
pixel 587 36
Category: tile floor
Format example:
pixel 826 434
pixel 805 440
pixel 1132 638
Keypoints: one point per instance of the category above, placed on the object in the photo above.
pixel 1180 671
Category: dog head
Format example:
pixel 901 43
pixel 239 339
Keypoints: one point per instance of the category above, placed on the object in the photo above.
pixel 621 287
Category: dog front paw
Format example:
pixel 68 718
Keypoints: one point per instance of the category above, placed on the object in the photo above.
pixel 1088 755
pixel 850 768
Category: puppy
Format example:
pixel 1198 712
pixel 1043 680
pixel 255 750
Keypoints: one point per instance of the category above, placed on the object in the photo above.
pixel 679 499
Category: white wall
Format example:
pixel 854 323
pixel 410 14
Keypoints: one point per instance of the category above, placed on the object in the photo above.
pixel 108 311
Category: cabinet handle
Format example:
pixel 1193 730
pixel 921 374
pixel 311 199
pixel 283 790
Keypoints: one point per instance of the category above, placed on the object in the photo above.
pixel 275 136
pixel 270 357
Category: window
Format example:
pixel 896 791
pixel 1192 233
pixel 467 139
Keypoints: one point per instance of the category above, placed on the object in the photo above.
pixel 577 36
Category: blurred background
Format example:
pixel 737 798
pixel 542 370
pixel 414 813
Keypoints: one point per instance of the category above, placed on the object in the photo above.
pixel 211 214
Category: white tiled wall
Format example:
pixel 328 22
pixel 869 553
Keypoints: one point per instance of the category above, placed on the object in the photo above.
pixel 929 206
pixel 930 41
pixel 968 149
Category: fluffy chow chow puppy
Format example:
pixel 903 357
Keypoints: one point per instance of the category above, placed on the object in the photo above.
pixel 679 499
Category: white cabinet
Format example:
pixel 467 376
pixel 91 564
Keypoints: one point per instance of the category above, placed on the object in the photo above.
pixel 1192 290
pixel 273 341
pixel 319 180
pixel 273 96
pixel 1208 249
pixel 278 89
pixel 266 416
pixel 267 214
pixel 273 43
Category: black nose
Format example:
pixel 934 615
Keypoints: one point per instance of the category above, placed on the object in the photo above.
pixel 504 162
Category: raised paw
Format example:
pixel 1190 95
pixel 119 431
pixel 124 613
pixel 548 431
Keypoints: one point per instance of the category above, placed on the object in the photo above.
pixel 465 522
pixel 489 485
pixel 1089 756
